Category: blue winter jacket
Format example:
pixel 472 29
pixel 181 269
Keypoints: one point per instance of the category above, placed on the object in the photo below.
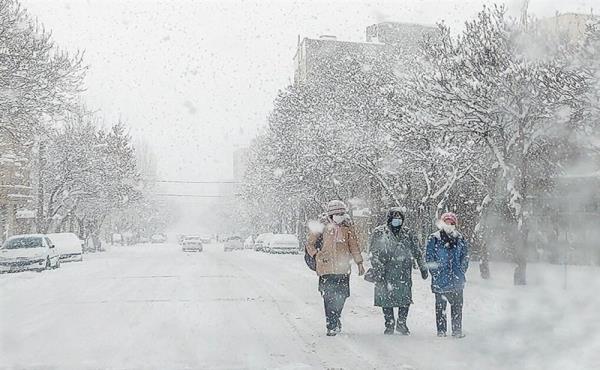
pixel 446 264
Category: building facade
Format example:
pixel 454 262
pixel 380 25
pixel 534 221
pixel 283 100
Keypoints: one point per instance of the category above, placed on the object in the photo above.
pixel 387 43
pixel 16 193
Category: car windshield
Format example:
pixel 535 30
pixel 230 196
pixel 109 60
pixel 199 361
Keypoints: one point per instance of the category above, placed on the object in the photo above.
pixel 19 243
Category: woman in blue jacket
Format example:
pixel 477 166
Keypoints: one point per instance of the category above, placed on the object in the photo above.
pixel 448 259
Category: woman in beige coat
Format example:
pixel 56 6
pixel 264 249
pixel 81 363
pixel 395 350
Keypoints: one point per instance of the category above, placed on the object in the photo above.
pixel 333 249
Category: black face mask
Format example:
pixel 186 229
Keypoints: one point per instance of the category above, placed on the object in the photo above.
pixel 449 241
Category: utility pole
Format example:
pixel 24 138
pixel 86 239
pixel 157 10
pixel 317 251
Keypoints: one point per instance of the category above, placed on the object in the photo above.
pixel 40 188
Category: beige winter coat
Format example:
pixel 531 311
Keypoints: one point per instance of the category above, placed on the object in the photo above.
pixel 334 256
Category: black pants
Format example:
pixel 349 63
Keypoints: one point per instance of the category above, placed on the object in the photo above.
pixel 388 314
pixel 334 304
pixel 456 304
pixel 334 289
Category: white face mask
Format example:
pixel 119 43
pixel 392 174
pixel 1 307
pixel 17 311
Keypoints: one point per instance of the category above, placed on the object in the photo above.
pixel 449 229
pixel 338 219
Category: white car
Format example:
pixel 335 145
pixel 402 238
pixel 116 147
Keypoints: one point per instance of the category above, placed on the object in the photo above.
pixel 69 246
pixel 284 243
pixel 233 243
pixel 192 243
pixel 158 238
pixel 262 241
pixel 28 252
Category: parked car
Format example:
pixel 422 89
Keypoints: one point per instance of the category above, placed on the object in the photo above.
pixel 158 238
pixel 28 252
pixel 249 243
pixel 284 243
pixel 262 241
pixel 233 243
pixel 192 243
pixel 69 246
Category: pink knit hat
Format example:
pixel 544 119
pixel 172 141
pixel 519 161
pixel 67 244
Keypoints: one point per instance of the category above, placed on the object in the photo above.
pixel 336 207
pixel 449 218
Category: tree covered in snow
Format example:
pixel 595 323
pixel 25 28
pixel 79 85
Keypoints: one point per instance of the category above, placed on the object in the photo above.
pixel 37 80
pixel 479 123
pixel 86 175
pixel 485 83
pixel 322 143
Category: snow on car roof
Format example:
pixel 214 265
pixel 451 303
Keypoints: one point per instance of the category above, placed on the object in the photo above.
pixel 27 236
pixel 285 238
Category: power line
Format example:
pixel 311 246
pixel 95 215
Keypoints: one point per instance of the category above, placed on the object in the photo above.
pixel 191 182
pixel 193 195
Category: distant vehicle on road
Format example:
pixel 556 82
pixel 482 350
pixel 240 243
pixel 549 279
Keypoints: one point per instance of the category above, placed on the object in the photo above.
pixel 262 241
pixel 249 243
pixel 69 246
pixel 284 243
pixel 192 243
pixel 28 252
pixel 158 238
pixel 233 243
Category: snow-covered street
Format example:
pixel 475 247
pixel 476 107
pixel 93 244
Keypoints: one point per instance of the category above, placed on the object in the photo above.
pixel 155 307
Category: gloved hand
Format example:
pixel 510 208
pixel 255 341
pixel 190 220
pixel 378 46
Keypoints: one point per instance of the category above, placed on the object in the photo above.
pixel 424 274
pixel 361 269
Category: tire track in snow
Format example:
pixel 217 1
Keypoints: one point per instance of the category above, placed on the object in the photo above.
pixel 305 342
pixel 358 361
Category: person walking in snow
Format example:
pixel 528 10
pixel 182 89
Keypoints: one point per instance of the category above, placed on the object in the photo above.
pixel 333 250
pixel 447 257
pixel 392 249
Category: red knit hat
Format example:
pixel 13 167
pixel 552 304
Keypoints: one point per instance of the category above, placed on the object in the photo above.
pixel 449 218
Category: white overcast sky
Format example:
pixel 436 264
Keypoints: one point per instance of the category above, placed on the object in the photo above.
pixel 196 79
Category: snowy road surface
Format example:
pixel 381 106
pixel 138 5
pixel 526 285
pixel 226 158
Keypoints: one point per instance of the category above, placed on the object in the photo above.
pixel 155 307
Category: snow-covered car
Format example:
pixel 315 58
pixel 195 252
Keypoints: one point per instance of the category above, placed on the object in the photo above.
pixel 233 243
pixel 284 243
pixel 69 246
pixel 192 244
pixel 158 238
pixel 28 252
pixel 262 241
pixel 249 243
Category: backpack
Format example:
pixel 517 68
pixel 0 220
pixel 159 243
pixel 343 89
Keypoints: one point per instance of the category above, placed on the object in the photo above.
pixel 311 261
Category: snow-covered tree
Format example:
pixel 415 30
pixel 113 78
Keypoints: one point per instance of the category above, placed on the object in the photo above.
pixel 485 83
pixel 37 80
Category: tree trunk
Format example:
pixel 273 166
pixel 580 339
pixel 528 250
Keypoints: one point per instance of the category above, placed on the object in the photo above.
pixel 520 274
pixel 484 261
pixel 39 222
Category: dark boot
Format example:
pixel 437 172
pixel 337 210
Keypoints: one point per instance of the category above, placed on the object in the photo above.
pixel 389 330
pixel 402 328
pixel 401 324
pixel 332 332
